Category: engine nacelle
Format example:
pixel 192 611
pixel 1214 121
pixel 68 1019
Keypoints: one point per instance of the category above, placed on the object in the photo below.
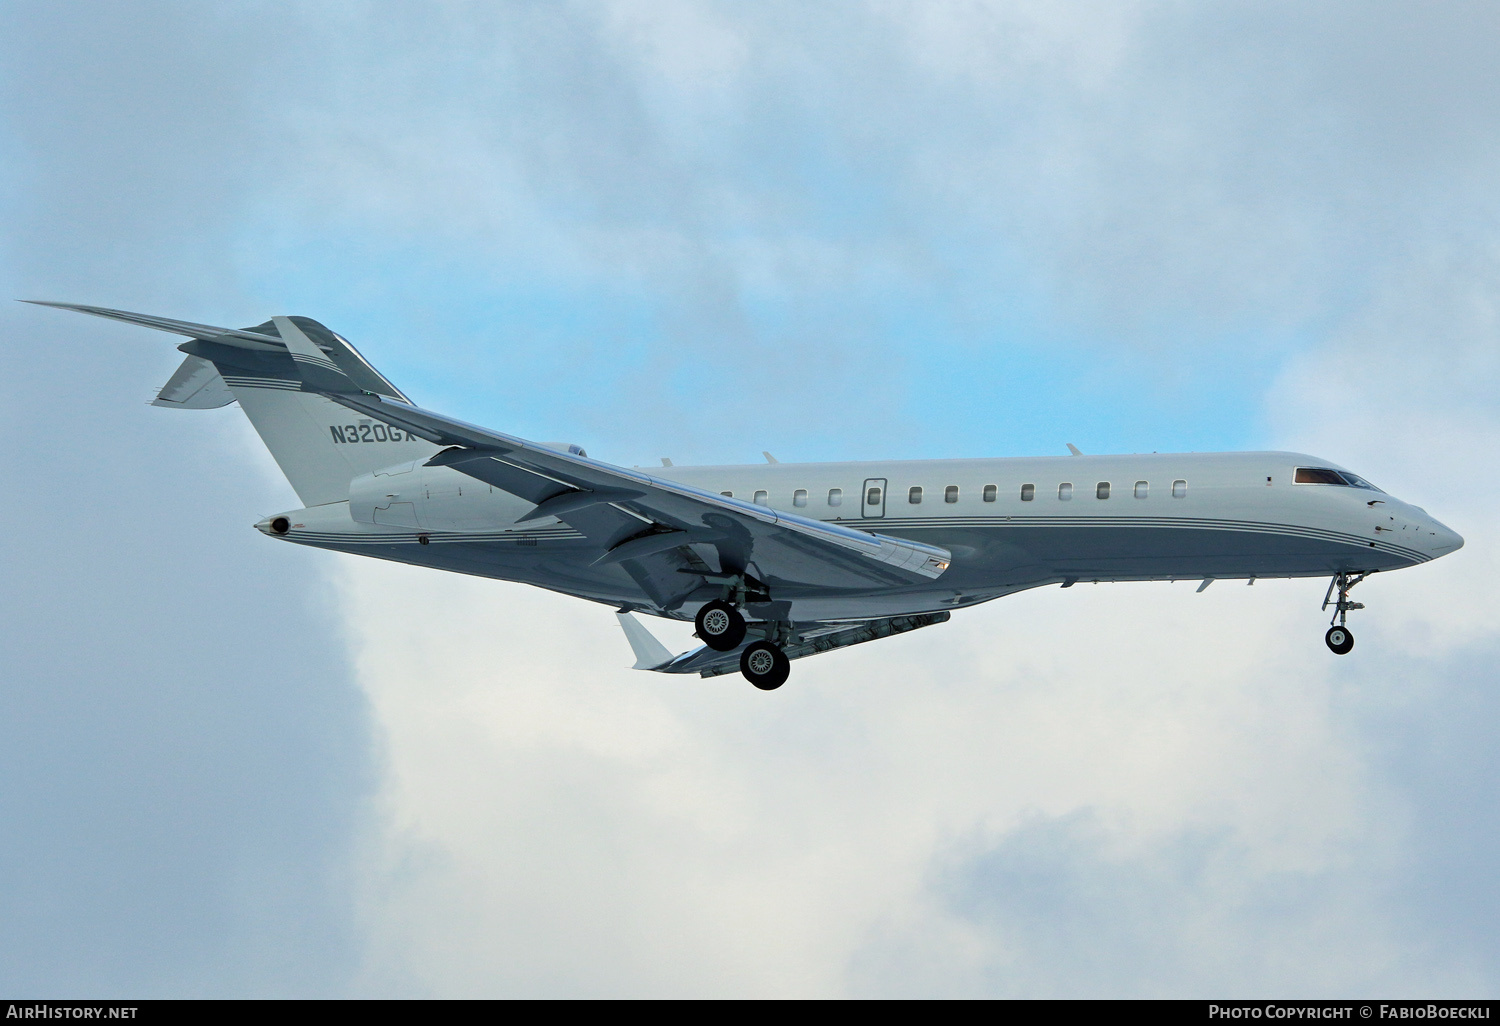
pixel 435 499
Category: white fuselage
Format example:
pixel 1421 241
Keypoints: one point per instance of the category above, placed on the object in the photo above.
pixel 1010 524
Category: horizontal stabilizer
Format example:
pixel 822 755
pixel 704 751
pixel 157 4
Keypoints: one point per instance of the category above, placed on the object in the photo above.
pixel 649 653
pixel 196 386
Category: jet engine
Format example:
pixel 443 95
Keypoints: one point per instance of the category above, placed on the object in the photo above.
pixel 435 499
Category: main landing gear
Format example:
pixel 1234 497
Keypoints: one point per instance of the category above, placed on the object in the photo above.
pixel 722 628
pixel 1340 639
pixel 765 665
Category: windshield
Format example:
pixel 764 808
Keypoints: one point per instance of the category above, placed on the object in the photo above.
pixel 1355 481
pixel 1329 476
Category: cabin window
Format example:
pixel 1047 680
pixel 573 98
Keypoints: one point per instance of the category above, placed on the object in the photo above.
pixel 950 494
pixel 991 493
pixel 835 496
pixel 914 496
pixel 1101 490
pixel 1065 491
pixel 760 498
pixel 1028 492
pixel 727 495
pixel 1179 489
pixel 1142 489
pixel 872 497
pixel 799 497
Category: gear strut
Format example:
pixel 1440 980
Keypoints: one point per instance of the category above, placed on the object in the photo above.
pixel 1340 639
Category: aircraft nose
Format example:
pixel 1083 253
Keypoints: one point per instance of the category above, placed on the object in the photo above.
pixel 1443 539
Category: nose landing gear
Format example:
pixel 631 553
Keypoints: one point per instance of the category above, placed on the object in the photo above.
pixel 1340 639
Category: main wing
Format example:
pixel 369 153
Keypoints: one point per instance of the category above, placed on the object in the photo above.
pixel 632 515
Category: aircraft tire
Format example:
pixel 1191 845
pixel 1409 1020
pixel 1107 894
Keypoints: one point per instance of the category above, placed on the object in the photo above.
pixel 720 626
pixel 765 665
pixel 1340 640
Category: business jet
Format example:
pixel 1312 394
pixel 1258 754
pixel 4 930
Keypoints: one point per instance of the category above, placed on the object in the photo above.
pixel 776 561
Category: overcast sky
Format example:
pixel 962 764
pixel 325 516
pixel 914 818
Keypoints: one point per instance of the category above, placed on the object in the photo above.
pixel 699 230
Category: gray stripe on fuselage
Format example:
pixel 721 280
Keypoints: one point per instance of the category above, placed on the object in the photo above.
pixel 894 524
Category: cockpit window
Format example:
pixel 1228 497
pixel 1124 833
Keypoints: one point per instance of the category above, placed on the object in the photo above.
pixel 1318 475
pixel 1323 475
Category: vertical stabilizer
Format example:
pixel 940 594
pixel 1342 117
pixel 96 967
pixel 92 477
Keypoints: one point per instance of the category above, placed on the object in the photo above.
pixel 275 371
pixel 319 445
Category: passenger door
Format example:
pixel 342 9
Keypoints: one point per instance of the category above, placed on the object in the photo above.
pixel 872 498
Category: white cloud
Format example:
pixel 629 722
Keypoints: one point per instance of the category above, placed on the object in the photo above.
pixel 1122 789
pixel 556 824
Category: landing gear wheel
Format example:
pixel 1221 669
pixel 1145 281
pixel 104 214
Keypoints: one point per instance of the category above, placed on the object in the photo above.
pixel 765 665
pixel 720 626
pixel 1340 640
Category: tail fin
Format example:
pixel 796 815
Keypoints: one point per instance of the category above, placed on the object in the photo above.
pixel 319 445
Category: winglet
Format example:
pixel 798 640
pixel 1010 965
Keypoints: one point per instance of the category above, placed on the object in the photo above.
pixel 769 457
pixel 649 653
pixel 1073 449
